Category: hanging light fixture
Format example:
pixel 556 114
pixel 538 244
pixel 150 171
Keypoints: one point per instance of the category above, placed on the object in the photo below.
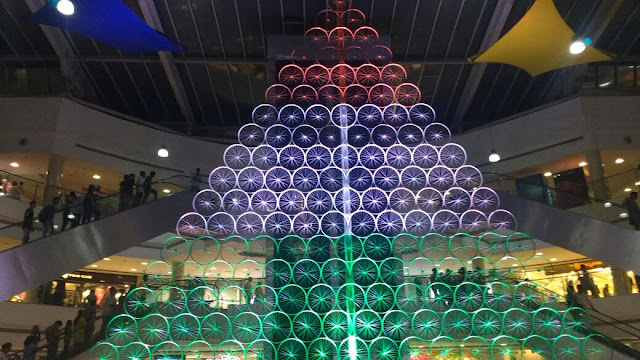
pixel 578 44
pixel 494 157
pixel 65 7
pixel 163 152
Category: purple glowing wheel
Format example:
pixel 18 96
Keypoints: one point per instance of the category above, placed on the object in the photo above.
pixel 413 178
pixel 222 179
pixel 386 178
pixel 207 202
pixel 502 220
pixel 468 177
pixel 264 202
pixel 318 157
pixel 343 115
pixel 249 225
pixel 457 199
pixel 395 115
pixel 291 115
pixel 306 224
pixel 250 179
pixel 278 179
pixel 422 114
pixel 384 135
pixel 278 136
pixel 191 225
pixel 305 136
pixel 360 178
pixel 317 116
pixel 277 224
pixel 264 157
pixel 291 201
pixel 485 200
pixel 362 223
pixel 436 133
pixel 402 200
pixel 430 200
pixel 445 221
pixel 305 179
pixel 330 136
pixel 319 201
pixel 389 223
pixel 221 225
pixel 374 200
pixel 236 202
pixel 291 157
pixel 358 136
pixel 345 156
pixel 333 224
pixel 453 155
pixel 410 135
pixel 371 157
pixel 237 157
pixel 264 115
pixel 426 156
pixel 347 200
pixel 440 177
pixel 369 115
pixel 331 179
pixel 473 221
pixel 417 223
pixel 399 156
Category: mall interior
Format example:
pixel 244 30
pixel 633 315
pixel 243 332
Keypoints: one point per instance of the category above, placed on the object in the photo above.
pixel 323 179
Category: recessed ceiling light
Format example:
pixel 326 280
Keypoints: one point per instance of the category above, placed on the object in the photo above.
pixel 14 164
pixel 547 174
pixel 245 269
pixel 619 160
pixel 637 183
pixel 94 265
pixel 627 189
pixel 553 259
pixel 539 254
pixel 166 191
pixel 107 259
pixel 624 215
pixel 213 268
pixel 132 269
pixel 582 163
pixel 144 263
pixel 607 204
pixel 97 177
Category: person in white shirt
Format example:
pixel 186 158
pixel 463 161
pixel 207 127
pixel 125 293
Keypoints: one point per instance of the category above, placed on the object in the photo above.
pixel 140 188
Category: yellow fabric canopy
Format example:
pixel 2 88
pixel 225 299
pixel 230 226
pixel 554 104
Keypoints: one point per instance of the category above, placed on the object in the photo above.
pixel 539 42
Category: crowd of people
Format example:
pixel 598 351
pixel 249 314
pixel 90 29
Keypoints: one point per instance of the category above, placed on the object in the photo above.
pixel 12 189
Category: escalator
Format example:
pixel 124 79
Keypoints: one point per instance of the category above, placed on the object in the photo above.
pixel 27 266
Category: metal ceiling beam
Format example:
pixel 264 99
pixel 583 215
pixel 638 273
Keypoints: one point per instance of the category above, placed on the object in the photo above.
pixel 249 61
pixel 150 14
pixel 494 29
pixel 79 82
pixel 601 19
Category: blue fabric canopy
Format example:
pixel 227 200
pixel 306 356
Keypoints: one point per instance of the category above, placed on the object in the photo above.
pixel 109 21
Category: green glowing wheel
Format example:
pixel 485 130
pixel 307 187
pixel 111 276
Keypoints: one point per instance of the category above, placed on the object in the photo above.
pixel 322 349
pixel 292 349
pixel 202 301
pixel 517 323
pixel 349 247
pixel 334 325
pixel 567 347
pixel 234 249
pixel 487 323
pixel 405 245
pixel 420 267
pixel 475 348
pixel 104 351
pixel 427 324
pixel 368 325
pixel 439 297
pixel 463 246
pixel 188 275
pixel 198 350
pixel 261 349
pixel 434 246
pixel 291 299
pixel 321 298
pixel 383 349
pixel 334 272
pixel 469 297
pixel 220 274
pixel 380 297
pixel 377 247
pixel 445 347
pixel 122 330
pixel 412 347
pixel 352 349
pixel 521 245
pixel 456 324
pixel 365 272
pixel 391 271
pixel 170 301
pixel 263 247
pixel 153 329
pixel 291 249
pixel 597 347
pixel 492 245
pixel 409 297
pixel 276 326
pixel 498 296
pixel 454 270
pixel 529 295
pixel 349 295
pixel 184 328
pixel 547 323
pixel 508 268
pixel 230 349
pixel 215 328
pixel 278 273
pixel 205 250
pixel 396 325
pixel 307 326
pixel 245 327
pixel 576 321
pixel 157 275
pixel 175 249
pixel 539 346
pixel 306 273
pixel 506 347
pixel 135 351
pixel 319 248
pixel 167 350
pixel 139 302
pixel 264 300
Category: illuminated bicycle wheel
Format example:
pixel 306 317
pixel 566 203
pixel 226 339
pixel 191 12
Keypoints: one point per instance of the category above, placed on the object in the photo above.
pixel 331 136
pixel 339 36
pixel 265 300
pixel 264 202
pixel 380 297
pixel 350 297
pixel 250 225
pixel 487 323
pixel 485 200
pixel 405 244
pixel 529 295
pixel 319 247
pixel 322 349
pixel 426 156
pixel 264 115
pixel 251 135
pixel 191 225
pixel 521 245
pixel 394 74
pixel 567 347
pixel 317 116
pixel 473 221
pixel 396 325
pixel 220 225
pixel 469 297
pixel 230 349
pixel 377 247
pixel 276 326
pixel 342 75
pixel 321 298
pixel 365 271
pixel 407 94
pixel 413 178
pixel 369 115
pixel 305 136
pixel 508 268
pixel 207 202
pixel 441 178
pixel 278 273
pixel 307 326
pixel 291 299
pixel 430 200
pixel 395 115
pixel 389 223
pixel 380 55
pixel 202 301
pixel 331 179
pixel 317 75
pixel 237 156
pixel 215 328
pixel 291 75
pixel 345 156
pixel 291 201
pixel 402 200
pixel 439 297
pixel 235 202
pixel 517 323
pixel 445 347
pixel 306 273
pixel 505 347
pixel 356 95
pixel 291 115
pixel 291 157
pixel 368 325
pixel 245 327
pixel 445 221
pixel 278 136
pixel 250 179
pixel 104 351
pixel 291 249
pixel 184 328
pixel 334 325
pixel 122 330
pixel 332 223
pixel 453 155
pixel 386 178
pixel 409 298
pixel 539 346
pixel 398 156
pixel 156 275
pixel 434 246
pixel 375 201
pixel 383 349
pixel 502 220
pixel 367 75
pixel 318 157
pixel 468 177
pixel 417 222
pixel 347 200
pixel 381 95
pixel 277 179
pixel 362 223
pixel 476 348
pixel 343 115
pixel 492 245
pixel 499 296
pixel 222 179
pixel 167 350
pixel 456 324
pixel 305 224
pixel 358 136
pixel 597 347
pixel 291 349
pixel 422 114
pixel 139 302
pixel 463 246
pixel 319 201
pixel 360 178
pixel 153 329
pixel 547 323
pixel 135 351
pixel 436 133
pixel 366 35
pixel 170 301
pixel 576 321
pixel 353 348
pixel 329 95
pixel 304 95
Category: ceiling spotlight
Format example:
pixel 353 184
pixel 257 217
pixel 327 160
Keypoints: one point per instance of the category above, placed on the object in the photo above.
pixel 94 265
pixel 607 204
pixel 553 259
pixel 494 157
pixel 619 160
pixel 582 163
pixel 538 254
pixel 163 152
pixel 547 174
pixel 96 176
pixel 627 190
pixel 132 269
pixel 166 191
pixel 14 164
pixel 106 259
pixel 637 183
pixel 65 7
pixel 624 215
pixel 577 46
pixel 144 263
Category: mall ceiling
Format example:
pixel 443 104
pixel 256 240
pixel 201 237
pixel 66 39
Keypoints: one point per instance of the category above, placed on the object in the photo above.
pixel 228 58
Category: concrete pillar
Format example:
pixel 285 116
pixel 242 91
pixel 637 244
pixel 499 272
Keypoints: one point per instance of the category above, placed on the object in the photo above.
pixel 54 178
pixel 621 282
pixel 596 175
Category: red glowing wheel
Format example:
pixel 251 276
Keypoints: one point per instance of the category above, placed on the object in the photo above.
pixel 365 35
pixel 317 75
pixel 354 56
pixel 408 94
pixel 329 95
pixel 327 19
pixel 316 37
pixel 342 75
pixel 381 94
pixel 329 56
pixel 380 55
pixel 339 5
pixel 304 95
pixel 291 75
pixel 303 56
pixel 277 95
pixel 340 36
pixel 368 75
pixel 353 18
pixel 394 74
pixel 356 95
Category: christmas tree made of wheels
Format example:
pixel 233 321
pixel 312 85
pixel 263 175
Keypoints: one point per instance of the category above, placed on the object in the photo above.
pixel 346 226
